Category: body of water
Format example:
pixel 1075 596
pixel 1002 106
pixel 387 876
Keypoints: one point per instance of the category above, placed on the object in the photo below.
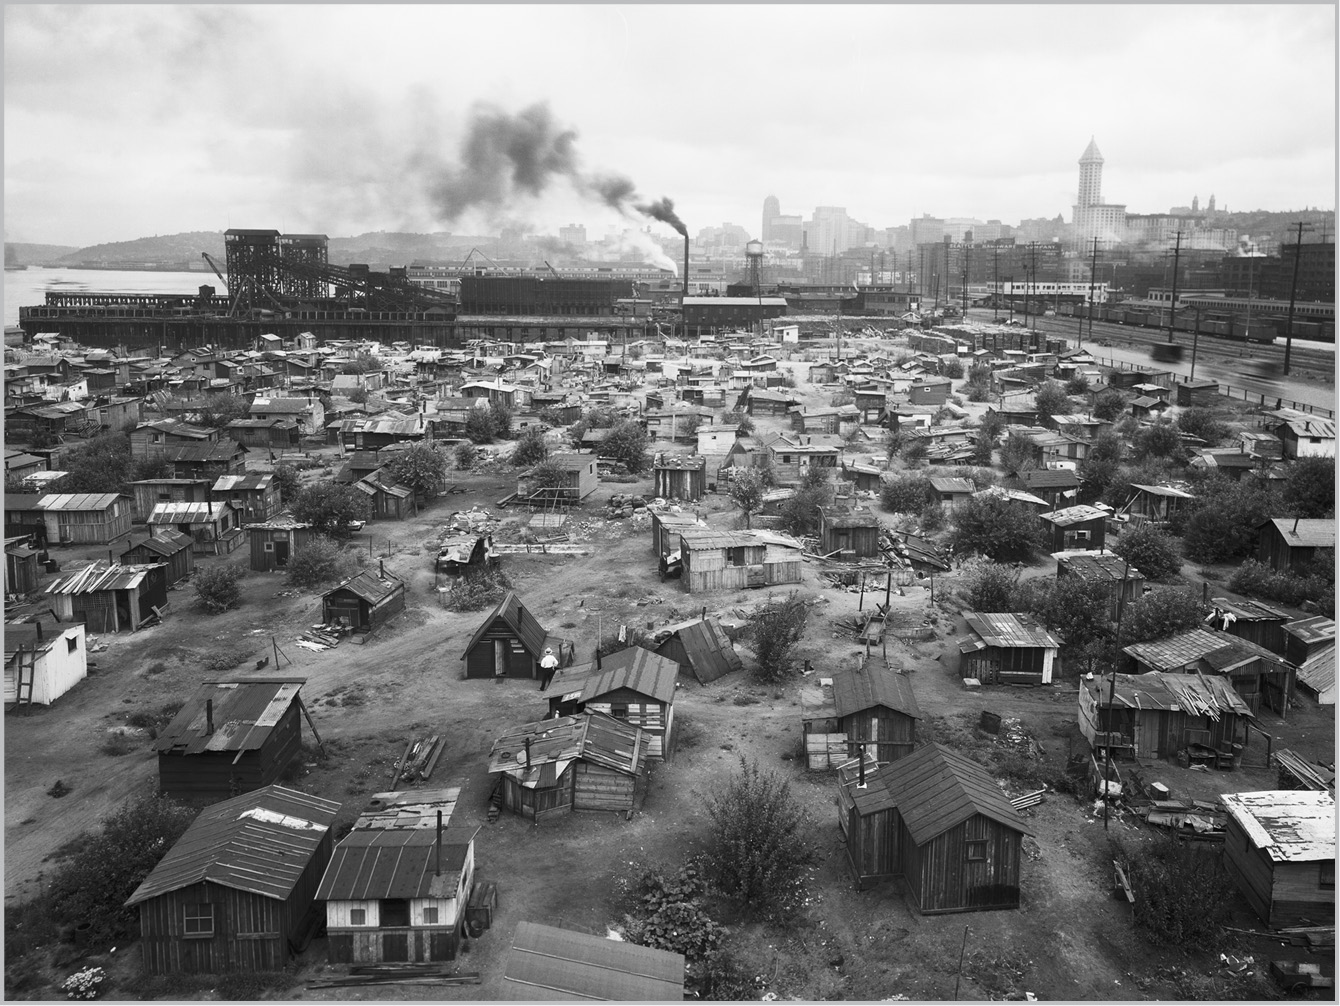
pixel 29 287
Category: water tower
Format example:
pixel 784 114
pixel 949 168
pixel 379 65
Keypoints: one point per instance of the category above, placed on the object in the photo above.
pixel 753 253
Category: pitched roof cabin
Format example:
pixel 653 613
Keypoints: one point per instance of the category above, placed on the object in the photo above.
pixel 110 598
pixel 1279 846
pixel 398 884
pixel 1159 715
pixel 938 824
pixel 547 965
pixel 1007 649
pixel 634 685
pixel 510 643
pixel 1076 527
pixel 1253 621
pixel 168 546
pixel 235 891
pixel 699 646
pixel 852 534
pixel 1287 544
pixel 230 737
pixel 85 518
pixel 586 762
pixel 365 601
pixel 868 707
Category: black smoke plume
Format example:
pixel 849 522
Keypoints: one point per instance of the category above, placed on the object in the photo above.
pixel 664 210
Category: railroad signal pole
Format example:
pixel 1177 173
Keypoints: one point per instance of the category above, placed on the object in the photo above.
pixel 1093 276
pixel 1172 316
pixel 1293 295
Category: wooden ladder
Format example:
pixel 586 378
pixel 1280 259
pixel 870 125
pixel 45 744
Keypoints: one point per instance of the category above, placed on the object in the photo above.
pixel 24 682
pixel 495 801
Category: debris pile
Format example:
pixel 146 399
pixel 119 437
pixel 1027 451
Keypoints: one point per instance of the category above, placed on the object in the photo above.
pixel 419 760
pixel 322 637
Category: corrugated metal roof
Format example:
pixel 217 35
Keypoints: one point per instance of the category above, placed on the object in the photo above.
pixel 873 683
pixel 1164 491
pixel 371 864
pixel 935 789
pixel 1318 671
pixel 187 513
pixel 1306 533
pixel 547 963
pixel 554 743
pixel 258 842
pixel 1292 826
pixel 100 576
pixel 518 617
pixel 634 668
pixel 1005 630
pixel 706 647
pixel 1163 692
pixel 700 539
pixel 238 483
pixel 245 710
pixel 77 501
pixel 1073 515
pixel 166 542
pixel 370 585
pixel 1102 568
pixel 417 808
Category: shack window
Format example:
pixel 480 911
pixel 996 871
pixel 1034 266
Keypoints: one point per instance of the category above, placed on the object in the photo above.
pixel 358 916
pixel 269 546
pixel 619 712
pixel 71 644
pixel 395 912
pixel 1328 873
pixel 977 851
pixel 430 916
pixel 198 920
pixel 735 556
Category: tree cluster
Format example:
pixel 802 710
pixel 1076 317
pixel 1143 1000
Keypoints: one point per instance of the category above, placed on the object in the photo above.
pixel 485 425
pixel 330 507
pixel 776 629
pixel 627 443
pixel 421 467
pixel 997 529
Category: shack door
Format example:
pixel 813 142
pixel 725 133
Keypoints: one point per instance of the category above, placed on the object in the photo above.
pixel 281 553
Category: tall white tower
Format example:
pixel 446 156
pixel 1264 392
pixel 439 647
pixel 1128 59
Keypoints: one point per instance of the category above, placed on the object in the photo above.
pixel 1090 176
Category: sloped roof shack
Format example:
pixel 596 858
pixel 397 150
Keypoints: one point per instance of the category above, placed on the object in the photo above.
pixel 553 744
pixel 374 864
pixel 636 669
pixel 522 622
pixel 700 645
pixel 1288 825
pixel 229 715
pixel 873 683
pixel 555 964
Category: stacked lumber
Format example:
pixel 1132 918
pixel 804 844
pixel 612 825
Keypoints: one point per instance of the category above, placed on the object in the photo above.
pixel 398 974
pixel 1028 800
pixel 320 637
pixel 1310 936
pixel 419 760
pixel 1294 770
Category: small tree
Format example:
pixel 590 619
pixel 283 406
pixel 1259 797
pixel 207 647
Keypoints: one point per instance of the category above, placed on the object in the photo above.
pixel 500 416
pixel 801 513
pixel 218 587
pixel 1077 385
pixel 628 443
pixel 1201 423
pixel 1109 404
pixel 1163 612
pixel 915 450
pixel 1158 441
pixel 776 629
pixel 576 431
pixel 330 508
pixel 757 853
pixel 989 586
pixel 978 388
pixel 530 448
pixel 1309 488
pixel 220 410
pixel 465 454
pixel 319 562
pixel 421 467
pixel 1227 515
pixel 746 492
pixel 1076 610
pixel 359 395
pixel 997 529
pixel 953 370
pixel 743 420
pixel 1052 401
pixel 289 481
pixel 548 474
pixel 1149 550
pixel 905 493
pixel 479 426
pixel 1183 893
pixel 1017 454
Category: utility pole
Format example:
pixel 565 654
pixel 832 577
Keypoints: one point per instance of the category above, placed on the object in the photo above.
pixel 1293 297
pixel 1172 315
pixel 1033 255
pixel 995 268
pixel 1112 692
pixel 1195 343
pixel 967 255
pixel 1093 278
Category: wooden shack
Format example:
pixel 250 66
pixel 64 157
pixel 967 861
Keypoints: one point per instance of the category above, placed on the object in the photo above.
pixel 1253 621
pixel 1076 527
pixel 273 543
pixel 85 518
pixel 1155 504
pixel 1124 582
pixel 1202 393
pixel 23 517
pixel 586 762
pixel 634 685
pixel 1316 676
pixel 148 493
pixel 1159 715
pixel 665 530
pixel 937 823
pixel 677 477
pixel 170 547
pixel 231 736
pixel 23 572
pixel 848 534
pixel 365 601
pixel 214 528
pixel 111 598
pixel 1292 543
pixel 1279 846
pixel 1258 675
pixel 43 661
pixel 951 492
pixel 550 965
pixel 869 707
pixel 235 893
pixel 510 643
pixel 699 646
pixel 580 477
pixel 1007 649
pixel 254 497
pixel 1057 486
pixel 732 560
pixel 1307 637
pixel 398 884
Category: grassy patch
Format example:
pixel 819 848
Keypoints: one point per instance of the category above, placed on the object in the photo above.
pixel 225 660
pixel 153 720
pixel 118 743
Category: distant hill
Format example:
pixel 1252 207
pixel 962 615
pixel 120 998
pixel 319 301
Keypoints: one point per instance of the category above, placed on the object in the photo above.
pixel 1276 228
pixel 26 253
pixel 160 251
pixel 382 248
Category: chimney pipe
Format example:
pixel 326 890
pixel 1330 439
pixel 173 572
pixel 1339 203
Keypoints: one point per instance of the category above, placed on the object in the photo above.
pixel 381 568
pixel 861 782
pixel 1295 526
pixel 437 872
pixel 527 754
pixel 209 716
pixel 686 276
pixel 39 630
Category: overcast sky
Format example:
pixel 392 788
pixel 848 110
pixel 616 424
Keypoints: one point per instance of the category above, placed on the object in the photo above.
pixel 125 121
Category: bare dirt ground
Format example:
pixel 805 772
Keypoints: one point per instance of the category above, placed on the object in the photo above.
pixel 1068 941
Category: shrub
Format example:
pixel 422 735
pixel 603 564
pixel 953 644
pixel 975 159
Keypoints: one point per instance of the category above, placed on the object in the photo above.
pixel 93 885
pixel 906 493
pixel 722 977
pixel 421 467
pixel 218 587
pixel 1309 488
pixel 477 589
pixel 989 586
pixel 1158 441
pixel 1225 521
pixel 743 420
pixel 776 629
pixel 1109 405
pixel 800 514
pixel 1182 892
pixel 465 454
pixel 289 481
pixel 1017 453
pixel 548 474
pixel 1077 385
pixel 932 516
pixel 757 854
pixel 844 396
pixel 530 448
pixel 1149 550
pixel 500 418
pixel 668 913
pixel 627 443
pixel 479 426
pixel 1201 423
pixel 997 529
pixel 953 370
pixel 1291 588
pixel 318 562
pixel 1163 612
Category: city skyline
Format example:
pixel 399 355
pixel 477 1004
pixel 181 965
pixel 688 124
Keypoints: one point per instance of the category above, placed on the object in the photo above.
pixel 203 118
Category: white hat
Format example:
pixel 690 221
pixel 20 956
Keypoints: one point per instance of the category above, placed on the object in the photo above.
pixel 548 649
